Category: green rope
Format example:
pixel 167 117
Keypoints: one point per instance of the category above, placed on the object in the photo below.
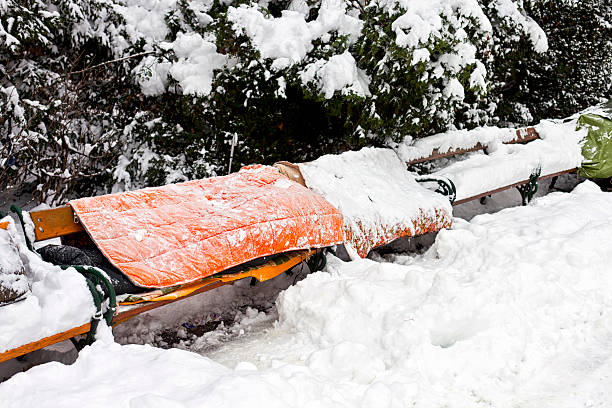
pixel 95 320
pixel 97 276
pixel 94 279
pixel 17 210
pixel 317 262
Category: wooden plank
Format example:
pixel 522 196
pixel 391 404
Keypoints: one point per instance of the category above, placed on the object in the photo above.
pixel 263 272
pixel 133 311
pixel 54 222
pixel 525 135
pixel 47 341
pixel 453 152
pixel 125 313
pixel 122 317
pixel 522 136
pixel 497 190
pixel 559 173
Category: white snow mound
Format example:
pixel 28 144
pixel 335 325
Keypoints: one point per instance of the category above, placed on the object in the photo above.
pixel 512 309
pixel 376 195
pixel 59 300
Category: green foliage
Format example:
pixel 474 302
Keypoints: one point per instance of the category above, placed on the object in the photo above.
pixel 60 119
pixel 274 115
pixel 69 128
pixel 577 70
pixel 409 89
pixel 572 74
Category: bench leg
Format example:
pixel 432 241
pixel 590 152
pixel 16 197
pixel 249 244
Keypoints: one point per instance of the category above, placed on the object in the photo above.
pixel 483 200
pixel 553 182
pixel 529 189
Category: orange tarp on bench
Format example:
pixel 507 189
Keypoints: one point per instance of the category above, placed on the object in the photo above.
pixel 176 234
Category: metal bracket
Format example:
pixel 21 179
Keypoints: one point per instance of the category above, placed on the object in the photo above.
pixel 446 186
pixel 529 189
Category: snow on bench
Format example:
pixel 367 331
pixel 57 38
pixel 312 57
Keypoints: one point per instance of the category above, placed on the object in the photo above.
pixel 59 299
pixel 243 214
pixel 459 141
pixel 499 161
pixel 378 198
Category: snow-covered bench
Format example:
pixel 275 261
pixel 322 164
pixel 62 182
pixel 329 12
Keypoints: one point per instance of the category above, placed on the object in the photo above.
pixel 60 307
pixel 256 222
pixel 379 200
pixel 496 159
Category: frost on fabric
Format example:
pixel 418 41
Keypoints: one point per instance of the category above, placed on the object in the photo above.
pixel 59 299
pixel 179 233
pixel 379 200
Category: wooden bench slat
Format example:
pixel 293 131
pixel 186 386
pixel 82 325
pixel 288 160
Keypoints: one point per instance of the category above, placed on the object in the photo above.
pixel 522 136
pixel 121 317
pixel 47 341
pixel 54 223
pixel 498 190
pixel 453 152
pixel 59 222
pixel 525 135
pixel 125 313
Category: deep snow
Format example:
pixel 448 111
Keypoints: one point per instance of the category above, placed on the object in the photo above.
pixel 59 299
pixel 375 211
pixel 509 309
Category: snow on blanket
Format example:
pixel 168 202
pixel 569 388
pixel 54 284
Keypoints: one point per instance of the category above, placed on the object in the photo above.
pixel 510 310
pixel 179 233
pixel 378 198
pixel 59 299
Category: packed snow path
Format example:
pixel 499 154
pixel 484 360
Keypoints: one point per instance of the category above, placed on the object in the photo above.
pixel 512 309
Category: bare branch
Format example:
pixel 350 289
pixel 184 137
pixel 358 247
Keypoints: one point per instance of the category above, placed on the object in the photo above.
pixel 140 54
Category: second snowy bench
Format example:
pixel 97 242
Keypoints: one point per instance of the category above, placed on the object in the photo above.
pixel 496 159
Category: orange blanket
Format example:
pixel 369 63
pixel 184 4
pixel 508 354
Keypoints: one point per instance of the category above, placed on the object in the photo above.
pixel 179 233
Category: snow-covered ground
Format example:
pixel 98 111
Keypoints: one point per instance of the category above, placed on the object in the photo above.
pixel 58 299
pixel 511 309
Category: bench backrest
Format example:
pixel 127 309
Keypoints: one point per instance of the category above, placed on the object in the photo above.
pixel 61 221
pixel 55 223
pixel 522 136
